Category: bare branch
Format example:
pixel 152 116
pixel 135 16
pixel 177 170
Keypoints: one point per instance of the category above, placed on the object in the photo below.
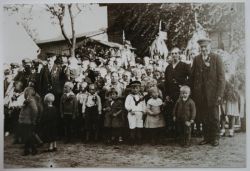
pixel 72 29
pixel 58 11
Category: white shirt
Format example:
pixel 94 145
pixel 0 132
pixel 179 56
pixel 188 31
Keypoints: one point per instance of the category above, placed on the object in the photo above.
pixel 174 65
pixel 155 102
pixel 90 102
pixel 132 107
pixel 80 97
pixel 18 102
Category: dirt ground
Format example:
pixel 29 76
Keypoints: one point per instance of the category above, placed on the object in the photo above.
pixel 230 153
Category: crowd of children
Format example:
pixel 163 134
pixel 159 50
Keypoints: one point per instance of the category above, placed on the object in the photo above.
pixel 101 100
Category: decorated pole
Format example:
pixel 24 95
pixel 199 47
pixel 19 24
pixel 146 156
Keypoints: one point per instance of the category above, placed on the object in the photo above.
pixel 123 37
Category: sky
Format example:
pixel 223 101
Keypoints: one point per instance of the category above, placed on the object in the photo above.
pixel 92 18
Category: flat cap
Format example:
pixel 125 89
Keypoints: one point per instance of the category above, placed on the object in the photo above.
pixel 112 90
pixel 50 54
pixel 204 41
pixel 26 61
pixel 7 72
pixel 135 83
pixel 14 65
pixel 37 61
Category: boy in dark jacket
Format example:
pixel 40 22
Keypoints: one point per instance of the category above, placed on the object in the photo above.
pixel 184 114
pixel 68 109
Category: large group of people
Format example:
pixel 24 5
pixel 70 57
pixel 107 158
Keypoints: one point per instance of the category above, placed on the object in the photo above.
pixel 115 101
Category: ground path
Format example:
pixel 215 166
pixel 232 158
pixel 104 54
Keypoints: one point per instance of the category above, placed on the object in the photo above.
pixel 230 153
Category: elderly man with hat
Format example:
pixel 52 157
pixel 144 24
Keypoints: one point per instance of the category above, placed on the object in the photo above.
pixel 208 84
pixel 50 78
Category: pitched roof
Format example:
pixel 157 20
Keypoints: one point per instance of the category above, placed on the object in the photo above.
pixel 61 38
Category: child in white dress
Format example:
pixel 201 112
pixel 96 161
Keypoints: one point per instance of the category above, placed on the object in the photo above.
pixel 154 120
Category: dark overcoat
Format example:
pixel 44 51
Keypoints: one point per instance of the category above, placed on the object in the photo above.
pixel 114 121
pixel 50 82
pixel 174 78
pixel 214 82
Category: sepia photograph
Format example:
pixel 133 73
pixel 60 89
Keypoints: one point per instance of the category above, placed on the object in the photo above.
pixel 124 85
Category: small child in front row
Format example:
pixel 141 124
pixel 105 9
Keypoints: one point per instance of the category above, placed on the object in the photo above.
pixel 154 120
pixel 114 119
pixel 91 111
pixel 68 109
pixel 80 96
pixel 184 114
pixel 136 106
pixel 49 122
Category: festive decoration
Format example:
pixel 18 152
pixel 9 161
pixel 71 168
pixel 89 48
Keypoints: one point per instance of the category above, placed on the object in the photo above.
pixel 159 46
pixel 193 46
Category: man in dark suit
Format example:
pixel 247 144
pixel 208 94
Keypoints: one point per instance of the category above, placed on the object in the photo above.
pixel 208 84
pixel 50 81
pixel 50 77
pixel 176 74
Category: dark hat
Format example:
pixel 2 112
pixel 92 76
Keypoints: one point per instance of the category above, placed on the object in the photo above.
pixel 14 65
pixel 37 61
pixel 204 41
pixel 59 59
pixel 112 90
pixel 7 72
pixel 26 61
pixel 135 83
pixel 50 54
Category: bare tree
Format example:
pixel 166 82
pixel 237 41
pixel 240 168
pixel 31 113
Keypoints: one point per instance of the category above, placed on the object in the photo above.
pixel 58 11
pixel 24 13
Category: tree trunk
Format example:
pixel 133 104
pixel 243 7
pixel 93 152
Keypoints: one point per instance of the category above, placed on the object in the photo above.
pixel 60 18
pixel 73 40
pixel 63 32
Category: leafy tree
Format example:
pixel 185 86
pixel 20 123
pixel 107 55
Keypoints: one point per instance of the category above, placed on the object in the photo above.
pixel 141 22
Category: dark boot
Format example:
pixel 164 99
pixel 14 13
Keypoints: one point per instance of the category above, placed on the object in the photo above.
pixel 34 151
pixel 87 138
pixel 26 152
pixel 139 135
pixel 96 135
pixel 132 136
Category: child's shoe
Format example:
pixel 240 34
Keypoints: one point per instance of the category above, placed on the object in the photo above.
pixel 50 150
pixel 153 142
pixel 222 132
pixel 139 142
pixel 7 134
pixel 25 153
pixel 132 142
pixel 120 140
pixel 34 152
pixel 231 132
pixel 186 145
